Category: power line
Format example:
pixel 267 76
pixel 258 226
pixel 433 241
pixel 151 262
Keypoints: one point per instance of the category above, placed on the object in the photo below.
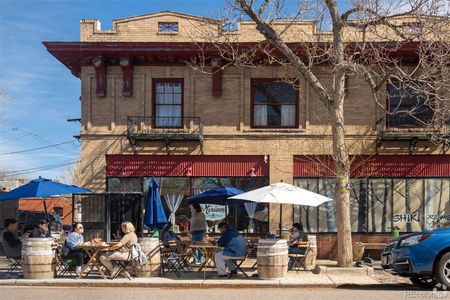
pixel 34 149
pixel 15 139
pixel 33 134
pixel 38 169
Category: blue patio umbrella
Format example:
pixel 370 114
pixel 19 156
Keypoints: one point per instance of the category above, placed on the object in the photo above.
pixel 217 196
pixel 41 188
pixel 155 217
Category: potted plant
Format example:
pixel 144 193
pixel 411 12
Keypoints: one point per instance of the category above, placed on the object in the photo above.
pixel 396 231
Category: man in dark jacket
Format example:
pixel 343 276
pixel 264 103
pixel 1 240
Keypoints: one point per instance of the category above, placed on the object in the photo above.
pixel 41 231
pixel 234 247
pixel 10 241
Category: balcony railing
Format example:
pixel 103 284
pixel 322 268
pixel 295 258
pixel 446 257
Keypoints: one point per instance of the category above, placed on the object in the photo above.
pixel 165 127
pixel 408 128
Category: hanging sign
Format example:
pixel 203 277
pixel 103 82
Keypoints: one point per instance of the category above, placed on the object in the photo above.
pixel 214 212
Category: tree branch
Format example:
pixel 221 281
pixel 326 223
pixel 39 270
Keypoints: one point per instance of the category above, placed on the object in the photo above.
pixel 270 34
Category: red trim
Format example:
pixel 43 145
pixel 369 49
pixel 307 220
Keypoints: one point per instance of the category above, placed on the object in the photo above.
pixel 252 102
pixel 165 80
pixel 100 76
pixel 119 165
pixel 376 166
pixel 127 76
pixel 73 54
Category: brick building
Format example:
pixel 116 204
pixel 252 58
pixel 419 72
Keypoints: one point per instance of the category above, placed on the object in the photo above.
pixel 146 114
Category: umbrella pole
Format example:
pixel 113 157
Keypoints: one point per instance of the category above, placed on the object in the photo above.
pixel 281 218
pixel 46 215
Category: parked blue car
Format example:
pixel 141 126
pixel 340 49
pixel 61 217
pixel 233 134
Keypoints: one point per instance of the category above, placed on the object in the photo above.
pixel 424 257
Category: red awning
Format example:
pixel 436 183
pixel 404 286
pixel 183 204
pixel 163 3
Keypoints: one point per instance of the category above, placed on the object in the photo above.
pixel 376 166
pixel 118 165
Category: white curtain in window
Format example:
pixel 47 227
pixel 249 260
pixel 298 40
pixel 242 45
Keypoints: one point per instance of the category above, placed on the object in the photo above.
pixel 260 115
pixel 251 209
pixel 173 202
pixel 287 115
pixel 168 115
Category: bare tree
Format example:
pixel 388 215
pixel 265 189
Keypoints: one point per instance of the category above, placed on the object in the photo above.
pixel 72 174
pixel 4 99
pixel 394 44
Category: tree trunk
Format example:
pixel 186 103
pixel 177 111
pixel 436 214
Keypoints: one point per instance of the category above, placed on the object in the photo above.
pixel 342 194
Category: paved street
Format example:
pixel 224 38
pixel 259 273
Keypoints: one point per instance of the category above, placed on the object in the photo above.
pixel 29 293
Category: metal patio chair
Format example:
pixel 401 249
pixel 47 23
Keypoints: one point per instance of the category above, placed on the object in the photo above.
pixel 300 259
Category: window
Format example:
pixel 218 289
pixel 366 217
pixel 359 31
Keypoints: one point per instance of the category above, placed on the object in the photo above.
pixel 380 204
pixel 410 104
pixel 168 102
pixel 168 26
pixel 275 104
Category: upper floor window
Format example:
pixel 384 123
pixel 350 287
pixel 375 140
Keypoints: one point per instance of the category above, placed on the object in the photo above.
pixel 168 102
pixel 168 26
pixel 410 104
pixel 274 104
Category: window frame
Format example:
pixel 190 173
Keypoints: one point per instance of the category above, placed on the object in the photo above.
pixel 154 104
pixel 252 103
pixel 401 106
pixel 169 27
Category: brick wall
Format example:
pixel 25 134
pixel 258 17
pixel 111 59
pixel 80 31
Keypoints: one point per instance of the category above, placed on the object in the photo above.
pixel 327 244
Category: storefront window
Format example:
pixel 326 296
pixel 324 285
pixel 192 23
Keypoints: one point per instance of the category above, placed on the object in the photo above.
pixel 306 215
pixel 380 204
pixel 175 191
pixel 237 213
pixel 379 211
pixel 437 203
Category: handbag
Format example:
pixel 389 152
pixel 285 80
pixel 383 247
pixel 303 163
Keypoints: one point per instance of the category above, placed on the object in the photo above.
pixel 64 252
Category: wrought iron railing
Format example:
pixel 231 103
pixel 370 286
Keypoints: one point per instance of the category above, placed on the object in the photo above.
pixel 139 126
pixel 405 123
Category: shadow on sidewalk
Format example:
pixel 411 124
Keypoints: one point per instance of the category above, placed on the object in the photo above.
pixel 389 287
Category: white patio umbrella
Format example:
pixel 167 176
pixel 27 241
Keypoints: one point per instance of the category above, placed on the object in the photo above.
pixel 282 193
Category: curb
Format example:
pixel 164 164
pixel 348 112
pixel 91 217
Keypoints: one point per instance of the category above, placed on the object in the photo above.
pixel 79 283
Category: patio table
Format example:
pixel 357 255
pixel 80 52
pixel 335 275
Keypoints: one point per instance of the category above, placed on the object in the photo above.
pixel 93 252
pixel 208 251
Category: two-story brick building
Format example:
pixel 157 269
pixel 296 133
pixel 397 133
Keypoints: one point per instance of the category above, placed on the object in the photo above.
pixel 146 113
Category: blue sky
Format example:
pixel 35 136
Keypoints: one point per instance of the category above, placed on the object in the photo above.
pixel 42 93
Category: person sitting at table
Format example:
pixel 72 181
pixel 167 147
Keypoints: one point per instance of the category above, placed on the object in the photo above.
pixel 69 248
pixel 12 245
pixel 198 228
pixel 234 247
pixel 168 235
pixel 297 236
pixel 120 250
pixel 41 231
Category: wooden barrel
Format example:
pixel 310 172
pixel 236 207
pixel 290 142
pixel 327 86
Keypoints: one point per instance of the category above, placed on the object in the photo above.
pixel 150 246
pixel 311 257
pixel 37 258
pixel 358 251
pixel 272 258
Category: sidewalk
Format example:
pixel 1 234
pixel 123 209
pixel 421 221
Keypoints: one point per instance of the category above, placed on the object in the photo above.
pixel 329 275
pixel 332 278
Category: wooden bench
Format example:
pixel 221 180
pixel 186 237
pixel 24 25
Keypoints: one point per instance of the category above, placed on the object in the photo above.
pixel 359 248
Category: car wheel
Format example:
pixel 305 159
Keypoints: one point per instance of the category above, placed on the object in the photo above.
pixel 443 270
pixel 424 282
